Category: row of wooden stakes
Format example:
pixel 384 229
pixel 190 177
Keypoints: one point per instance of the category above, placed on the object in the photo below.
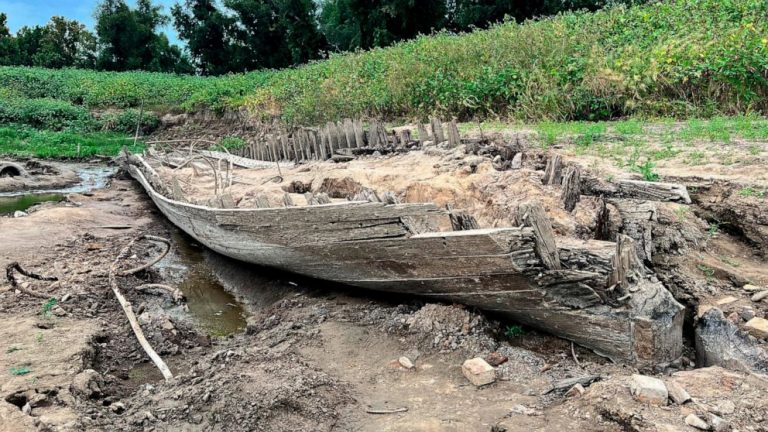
pixel 345 138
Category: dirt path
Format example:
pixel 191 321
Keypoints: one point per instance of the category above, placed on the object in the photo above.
pixel 314 357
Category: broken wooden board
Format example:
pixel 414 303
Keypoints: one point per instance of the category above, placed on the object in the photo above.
pixel 624 188
pixel 371 245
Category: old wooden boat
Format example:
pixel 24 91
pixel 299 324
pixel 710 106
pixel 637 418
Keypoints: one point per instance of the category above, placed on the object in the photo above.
pixel 595 293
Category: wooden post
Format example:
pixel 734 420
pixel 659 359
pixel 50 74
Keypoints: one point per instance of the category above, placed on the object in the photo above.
pixel 552 174
pixel 453 134
pixel 533 215
pixel 358 129
pixel 571 187
pixel 437 131
pixel 423 135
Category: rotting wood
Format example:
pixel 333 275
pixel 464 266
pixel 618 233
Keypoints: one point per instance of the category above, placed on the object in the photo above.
pixel 454 140
pixel 532 214
pixel 637 218
pixel 397 248
pixel 624 188
pixel 437 130
pixel 262 201
pixel 625 262
pixel 311 199
pixel 571 188
pixel 552 173
pixel 517 161
pixel 423 135
pixel 462 221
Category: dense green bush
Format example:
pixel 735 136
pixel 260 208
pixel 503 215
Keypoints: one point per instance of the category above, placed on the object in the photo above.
pixel 125 121
pixel 681 58
pixel 44 113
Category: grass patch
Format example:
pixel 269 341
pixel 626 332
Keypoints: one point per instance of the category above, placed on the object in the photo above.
pixel 45 310
pixel 12 349
pixel 20 370
pixel 19 141
pixel 751 192
pixel 514 331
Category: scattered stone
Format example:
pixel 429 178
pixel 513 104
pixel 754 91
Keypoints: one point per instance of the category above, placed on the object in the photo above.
pixel 86 384
pixel 495 359
pixel 717 423
pixel 66 297
pixel 720 343
pixel 726 300
pixel 725 407
pixel 747 313
pixel 677 393
pixel 19 214
pixel 757 327
pixel 524 410
pixel 405 362
pixel 734 317
pixel 58 311
pixel 694 421
pixel 117 407
pixel 26 409
pixel 703 309
pixel 478 372
pixel 648 389
pixel 752 288
pixel 759 296
pixel 517 161
pixel 575 391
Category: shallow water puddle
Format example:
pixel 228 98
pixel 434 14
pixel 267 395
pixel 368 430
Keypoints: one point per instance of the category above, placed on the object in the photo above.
pixel 213 308
pixel 11 204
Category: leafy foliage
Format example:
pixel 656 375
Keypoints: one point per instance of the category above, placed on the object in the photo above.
pixel 19 141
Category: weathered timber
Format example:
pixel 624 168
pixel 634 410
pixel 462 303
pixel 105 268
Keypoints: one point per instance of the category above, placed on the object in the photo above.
pixel 423 135
pixel 462 221
pixel 571 188
pixel 287 200
pixel 454 140
pixel 437 130
pixel 517 161
pixel 533 215
pixel 637 218
pixel 553 171
pixel 623 188
pixel 396 248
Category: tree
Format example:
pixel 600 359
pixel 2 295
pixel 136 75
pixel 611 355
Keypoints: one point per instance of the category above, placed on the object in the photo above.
pixel 65 43
pixel 275 33
pixel 351 24
pixel 129 40
pixel 8 50
pixel 207 32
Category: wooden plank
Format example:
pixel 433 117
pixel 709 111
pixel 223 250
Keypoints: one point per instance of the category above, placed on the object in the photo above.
pixel 533 215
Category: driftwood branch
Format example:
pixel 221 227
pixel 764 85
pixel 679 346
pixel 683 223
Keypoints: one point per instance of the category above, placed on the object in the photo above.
pixel 10 274
pixel 152 262
pixel 128 309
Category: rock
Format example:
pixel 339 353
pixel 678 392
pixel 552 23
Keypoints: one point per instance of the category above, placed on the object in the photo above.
pixel 405 362
pixel 757 327
pixel 66 297
pixel 734 317
pixel 648 389
pixel 495 359
pixel 117 407
pixel 522 409
pixel 726 300
pixel 575 391
pixel 694 421
pixel 752 288
pixel 19 214
pixel 58 311
pixel 478 372
pixel 677 393
pixel 759 296
pixel 720 343
pixel 718 424
pixel 517 161
pixel 86 384
pixel 26 409
pixel 725 407
pixel 747 313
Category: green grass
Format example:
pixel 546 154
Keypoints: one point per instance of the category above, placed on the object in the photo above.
pixel 20 370
pixel 45 310
pixel 514 331
pixel 12 349
pixel 676 58
pixel 19 141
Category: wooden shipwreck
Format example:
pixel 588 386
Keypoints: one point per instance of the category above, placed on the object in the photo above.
pixel 598 294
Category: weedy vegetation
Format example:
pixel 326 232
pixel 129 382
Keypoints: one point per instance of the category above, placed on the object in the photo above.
pixel 20 370
pixel 514 331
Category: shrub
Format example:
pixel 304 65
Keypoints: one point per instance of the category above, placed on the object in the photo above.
pixel 43 113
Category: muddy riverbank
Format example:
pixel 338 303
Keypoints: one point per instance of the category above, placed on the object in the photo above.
pixel 254 349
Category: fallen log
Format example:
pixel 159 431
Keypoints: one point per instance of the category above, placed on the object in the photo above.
pixel 645 190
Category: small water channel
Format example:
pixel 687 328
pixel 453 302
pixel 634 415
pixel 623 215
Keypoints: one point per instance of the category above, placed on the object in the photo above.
pixel 92 177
